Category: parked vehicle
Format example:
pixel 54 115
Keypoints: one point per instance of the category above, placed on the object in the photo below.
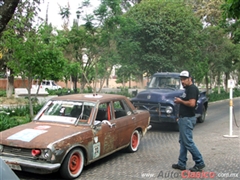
pixel 6 172
pixel 47 85
pixel 72 131
pixel 158 99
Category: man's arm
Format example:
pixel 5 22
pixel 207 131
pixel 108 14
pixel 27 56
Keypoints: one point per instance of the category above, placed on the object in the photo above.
pixel 190 102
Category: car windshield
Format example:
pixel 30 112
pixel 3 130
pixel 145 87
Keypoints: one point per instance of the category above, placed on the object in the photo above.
pixel 163 82
pixel 69 112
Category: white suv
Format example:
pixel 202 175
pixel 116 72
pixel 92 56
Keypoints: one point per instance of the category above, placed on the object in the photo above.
pixel 48 84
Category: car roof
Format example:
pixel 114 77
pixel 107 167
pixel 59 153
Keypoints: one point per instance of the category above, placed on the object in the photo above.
pixel 90 97
pixel 166 74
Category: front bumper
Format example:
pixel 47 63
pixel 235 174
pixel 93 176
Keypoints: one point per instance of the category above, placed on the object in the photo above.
pixel 162 119
pixel 149 127
pixel 30 166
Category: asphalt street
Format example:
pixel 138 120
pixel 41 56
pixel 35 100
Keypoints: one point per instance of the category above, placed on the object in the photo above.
pixel 159 149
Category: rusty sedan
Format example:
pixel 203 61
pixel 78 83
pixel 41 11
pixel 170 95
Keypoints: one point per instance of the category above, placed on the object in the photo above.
pixel 72 131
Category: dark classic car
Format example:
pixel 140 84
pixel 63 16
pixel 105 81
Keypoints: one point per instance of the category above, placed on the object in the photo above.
pixel 72 131
pixel 158 99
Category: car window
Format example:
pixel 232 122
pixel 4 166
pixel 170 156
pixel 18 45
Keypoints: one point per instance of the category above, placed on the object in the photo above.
pixel 165 82
pixel 66 112
pixel 104 111
pixel 121 109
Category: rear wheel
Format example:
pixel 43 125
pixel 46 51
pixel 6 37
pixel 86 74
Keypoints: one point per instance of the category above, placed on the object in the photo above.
pixel 135 141
pixel 73 164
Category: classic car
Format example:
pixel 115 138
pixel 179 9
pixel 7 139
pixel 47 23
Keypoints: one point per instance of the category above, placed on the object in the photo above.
pixel 159 96
pixel 72 131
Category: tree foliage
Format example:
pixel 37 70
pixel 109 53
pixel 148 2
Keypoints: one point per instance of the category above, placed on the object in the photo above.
pixel 167 42
pixel 209 11
pixel 231 9
pixel 35 56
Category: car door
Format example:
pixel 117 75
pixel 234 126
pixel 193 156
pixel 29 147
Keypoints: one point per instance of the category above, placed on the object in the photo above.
pixel 124 120
pixel 105 137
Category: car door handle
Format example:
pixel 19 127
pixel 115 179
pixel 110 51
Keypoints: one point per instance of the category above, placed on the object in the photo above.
pixel 114 124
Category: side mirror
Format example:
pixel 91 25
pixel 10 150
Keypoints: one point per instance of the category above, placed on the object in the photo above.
pixel 97 125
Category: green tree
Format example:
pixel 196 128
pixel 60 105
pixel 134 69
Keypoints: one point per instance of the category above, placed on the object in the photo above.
pixel 209 11
pixel 220 53
pixel 231 9
pixel 166 36
pixel 33 57
pixel 22 21
pixel 96 41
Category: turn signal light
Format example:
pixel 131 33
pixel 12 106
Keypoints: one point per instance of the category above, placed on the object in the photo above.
pixel 36 152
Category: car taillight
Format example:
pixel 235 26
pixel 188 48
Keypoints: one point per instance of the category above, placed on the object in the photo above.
pixel 36 152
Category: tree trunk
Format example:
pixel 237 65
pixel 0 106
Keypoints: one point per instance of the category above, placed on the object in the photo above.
pixel 71 83
pixel 218 82
pixel 130 82
pixel 29 86
pixel 10 86
pixel 140 77
pixel 123 82
pixel 206 81
pixel 107 82
pixel 226 81
pixel 7 9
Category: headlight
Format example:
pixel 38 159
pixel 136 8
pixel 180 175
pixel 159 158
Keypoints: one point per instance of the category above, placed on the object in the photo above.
pixel 1 148
pixel 42 153
pixel 46 154
pixel 169 109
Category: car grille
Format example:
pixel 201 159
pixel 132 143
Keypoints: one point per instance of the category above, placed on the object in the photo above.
pixel 15 151
pixel 151 107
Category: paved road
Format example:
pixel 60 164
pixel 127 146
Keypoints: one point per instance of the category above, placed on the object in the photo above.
pixel 160 148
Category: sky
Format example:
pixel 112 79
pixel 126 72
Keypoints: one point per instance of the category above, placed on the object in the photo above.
pixel 53 10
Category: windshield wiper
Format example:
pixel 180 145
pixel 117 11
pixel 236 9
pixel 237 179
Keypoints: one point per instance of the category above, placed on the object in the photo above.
pixel 81 115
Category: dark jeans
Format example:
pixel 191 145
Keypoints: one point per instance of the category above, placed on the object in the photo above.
pixel 186 125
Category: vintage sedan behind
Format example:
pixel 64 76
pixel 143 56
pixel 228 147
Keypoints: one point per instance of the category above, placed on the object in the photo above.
pixel 72 131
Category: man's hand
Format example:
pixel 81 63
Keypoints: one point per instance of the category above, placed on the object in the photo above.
pixel 177 100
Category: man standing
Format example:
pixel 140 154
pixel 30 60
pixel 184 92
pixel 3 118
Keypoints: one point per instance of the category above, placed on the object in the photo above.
pixel 186 123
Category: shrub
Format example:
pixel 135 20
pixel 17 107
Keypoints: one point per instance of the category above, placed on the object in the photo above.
pixel 7 121
pixel 10 117
pixel 214 96
pixel 2 93
pixel 123 91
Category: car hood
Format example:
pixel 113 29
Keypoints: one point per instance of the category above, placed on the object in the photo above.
pixel 38 134
pixel 157 95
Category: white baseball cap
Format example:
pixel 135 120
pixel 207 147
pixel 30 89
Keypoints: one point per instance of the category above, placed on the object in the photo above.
pixel 185 74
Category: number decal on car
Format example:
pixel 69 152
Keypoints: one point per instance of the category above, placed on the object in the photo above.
pixel 96 150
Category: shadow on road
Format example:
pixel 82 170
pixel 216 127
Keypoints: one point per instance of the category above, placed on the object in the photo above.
pixel 165 127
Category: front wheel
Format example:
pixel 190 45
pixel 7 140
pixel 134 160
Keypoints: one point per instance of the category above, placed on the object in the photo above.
pixel 73 164
pixel 201 119
pixel 135 141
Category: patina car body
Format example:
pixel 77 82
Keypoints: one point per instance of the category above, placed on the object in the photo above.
pixel 72 131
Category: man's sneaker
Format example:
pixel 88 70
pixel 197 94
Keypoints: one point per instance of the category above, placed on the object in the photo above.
pixel 197 168
pixel 176 166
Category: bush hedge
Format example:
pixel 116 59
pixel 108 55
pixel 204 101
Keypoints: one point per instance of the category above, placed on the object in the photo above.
pixel 214 96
